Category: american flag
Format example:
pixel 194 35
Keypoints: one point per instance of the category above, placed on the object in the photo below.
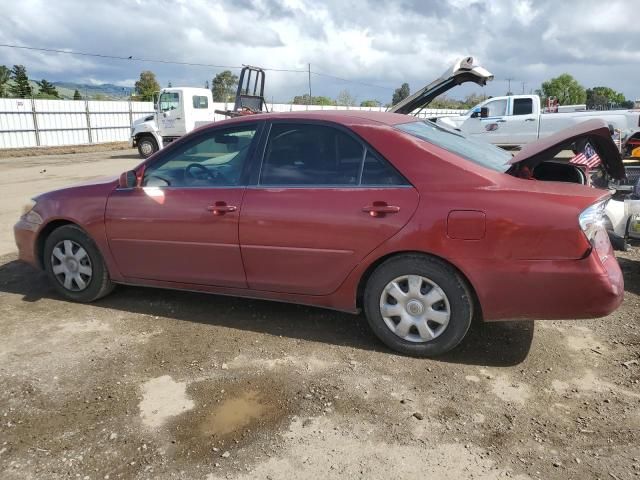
pixel 589 158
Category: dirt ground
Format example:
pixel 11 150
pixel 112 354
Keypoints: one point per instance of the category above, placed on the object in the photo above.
pixel 149 383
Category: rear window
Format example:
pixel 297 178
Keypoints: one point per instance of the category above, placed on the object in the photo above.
pixel 200 101
pixel 476 150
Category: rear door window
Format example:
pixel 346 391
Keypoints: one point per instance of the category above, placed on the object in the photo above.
pixel 321 155
pixel 522 106
pixel 306 154
pixel 377 171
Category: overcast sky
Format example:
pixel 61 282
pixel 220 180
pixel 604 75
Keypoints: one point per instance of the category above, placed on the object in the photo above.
pixel 377 42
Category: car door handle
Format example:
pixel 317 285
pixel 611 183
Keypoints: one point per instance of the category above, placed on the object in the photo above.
pixel 379 209
pixel 220 208
pixel 529 119
pixel 500 120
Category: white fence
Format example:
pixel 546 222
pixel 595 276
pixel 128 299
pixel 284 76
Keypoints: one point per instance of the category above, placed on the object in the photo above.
pixel 35 123
pixel 48 123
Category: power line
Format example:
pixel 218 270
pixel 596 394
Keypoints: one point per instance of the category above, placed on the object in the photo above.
pixel 351 81
pixel 190 64
pixel 140 59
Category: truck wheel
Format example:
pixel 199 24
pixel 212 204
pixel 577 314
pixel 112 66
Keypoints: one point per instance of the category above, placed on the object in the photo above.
pixel 147 146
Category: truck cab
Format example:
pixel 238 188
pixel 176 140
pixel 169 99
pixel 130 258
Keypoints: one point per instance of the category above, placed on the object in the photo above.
pixel 505 121
pixel 177 112
pixel 516 120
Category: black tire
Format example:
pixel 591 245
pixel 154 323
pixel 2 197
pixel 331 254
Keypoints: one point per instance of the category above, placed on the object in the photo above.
pixel 147 146
pixel 456 289
pixel 97 285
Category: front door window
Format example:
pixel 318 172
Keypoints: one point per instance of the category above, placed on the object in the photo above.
pixel 214 160
pixel 497 108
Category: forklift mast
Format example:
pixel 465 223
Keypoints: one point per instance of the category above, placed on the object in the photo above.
pixel 250 94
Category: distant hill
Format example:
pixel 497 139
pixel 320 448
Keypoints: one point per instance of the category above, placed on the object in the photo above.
pixel 106 91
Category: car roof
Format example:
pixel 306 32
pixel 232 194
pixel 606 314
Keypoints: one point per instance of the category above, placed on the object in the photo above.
pixel 338 116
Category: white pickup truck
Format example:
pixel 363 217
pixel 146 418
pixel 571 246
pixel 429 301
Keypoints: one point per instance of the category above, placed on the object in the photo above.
pixel 515 120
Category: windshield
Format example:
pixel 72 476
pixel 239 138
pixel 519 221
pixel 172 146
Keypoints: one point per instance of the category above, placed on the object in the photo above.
pixel 475 150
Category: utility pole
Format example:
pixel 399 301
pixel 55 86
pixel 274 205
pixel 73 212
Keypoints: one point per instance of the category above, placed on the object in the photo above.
pixel 309 83
pixel 509 87
pixel 523 84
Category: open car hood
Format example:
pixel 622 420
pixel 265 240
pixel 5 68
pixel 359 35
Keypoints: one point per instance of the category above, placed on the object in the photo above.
pixel 596 132
pixel 461 72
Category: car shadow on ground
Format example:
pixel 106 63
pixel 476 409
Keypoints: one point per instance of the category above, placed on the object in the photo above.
pixel 631 271
pixel 490 344
pixel 128 155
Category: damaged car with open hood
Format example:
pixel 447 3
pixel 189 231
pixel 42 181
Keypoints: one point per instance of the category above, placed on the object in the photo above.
pixel 418 226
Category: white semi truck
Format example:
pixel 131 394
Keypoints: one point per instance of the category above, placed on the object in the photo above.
pixel 180 110
pixel 516 120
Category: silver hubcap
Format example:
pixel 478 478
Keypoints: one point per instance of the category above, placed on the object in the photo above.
pixel 146 147
pixel 415 308
pixel 71 265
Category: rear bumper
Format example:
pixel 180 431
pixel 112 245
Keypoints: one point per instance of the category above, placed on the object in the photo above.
pixel 550 289
pixel 25 234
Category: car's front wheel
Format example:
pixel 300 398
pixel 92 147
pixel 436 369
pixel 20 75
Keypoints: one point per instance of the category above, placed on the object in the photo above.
pixel 418 305
pixel 75 266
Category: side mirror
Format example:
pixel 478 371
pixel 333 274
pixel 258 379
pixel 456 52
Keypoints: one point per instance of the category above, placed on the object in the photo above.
pixel 484 112
pixel 128 180
pixel 475 113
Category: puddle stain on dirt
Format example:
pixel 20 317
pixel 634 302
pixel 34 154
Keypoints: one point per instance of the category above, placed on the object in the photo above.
pixel 235 413
pixel 228 415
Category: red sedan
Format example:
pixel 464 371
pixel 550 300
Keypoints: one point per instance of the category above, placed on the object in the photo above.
pixel 418 226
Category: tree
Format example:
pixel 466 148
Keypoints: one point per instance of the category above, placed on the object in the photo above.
pixel 445 102
pixel 472 100
pixel 345 98
pixel 400 93
pixel 76 95
pixel 20 87
pixel 147 85
pixel 5 76
pixel 604 97
pixel 48 89
pixel 566 89
pixel 304 100
pixel 370 103
pixel 223 86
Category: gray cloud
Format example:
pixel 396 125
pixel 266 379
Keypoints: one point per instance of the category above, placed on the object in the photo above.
pixel 378 42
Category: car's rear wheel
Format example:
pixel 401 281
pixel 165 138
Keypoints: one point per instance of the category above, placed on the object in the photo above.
pixel 147 146
pixel 75 266
pixel 418 305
